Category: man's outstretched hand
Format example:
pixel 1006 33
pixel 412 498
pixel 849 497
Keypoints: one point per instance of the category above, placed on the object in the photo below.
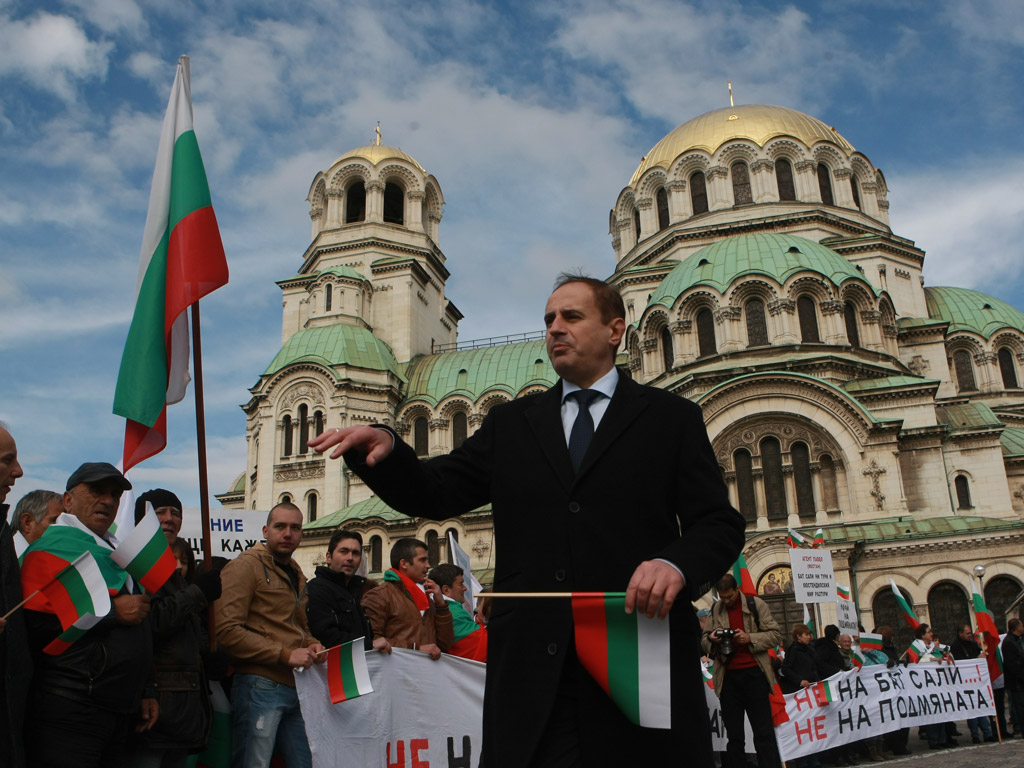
pixel 653 589
pixel 375 444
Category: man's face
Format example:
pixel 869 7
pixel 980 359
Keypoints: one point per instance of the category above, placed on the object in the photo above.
pixel 845 642
pixel 346 557
pixel 32 530
pixel 729 597
pixel 10 469
pixel 1018 630
pixel 580 344
pixel 965 632
pixel 927 636
pixel 170 522
pixel 417 569
pixel 94 504
pixel 283 533
pixel 457 591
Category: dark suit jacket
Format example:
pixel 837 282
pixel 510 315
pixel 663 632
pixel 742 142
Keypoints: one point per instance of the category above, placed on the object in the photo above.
pixel 649 487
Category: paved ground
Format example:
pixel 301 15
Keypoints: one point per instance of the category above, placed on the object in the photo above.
pixel 1009 754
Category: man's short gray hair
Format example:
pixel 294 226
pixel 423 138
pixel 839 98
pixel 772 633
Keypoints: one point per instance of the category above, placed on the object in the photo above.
pixel 35 503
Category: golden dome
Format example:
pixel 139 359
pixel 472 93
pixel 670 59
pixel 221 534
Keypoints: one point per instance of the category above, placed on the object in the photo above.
pixel 376 153
pixel 757 122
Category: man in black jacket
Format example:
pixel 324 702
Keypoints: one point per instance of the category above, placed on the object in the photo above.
pixel 964 647
pixel 1013 668
pixel 334 613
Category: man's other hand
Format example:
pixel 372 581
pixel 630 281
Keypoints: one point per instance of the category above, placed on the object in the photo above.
pixel 131 609
pixel 381 644
pixel 301 658
pixel 432 588
pixel 653 589
pixel 319 653
pixel 433 650
pixel 149 711
pixel 376 444
pixel 741 638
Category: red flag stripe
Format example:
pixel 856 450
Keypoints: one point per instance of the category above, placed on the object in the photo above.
pixel 588 610
pixel 334 681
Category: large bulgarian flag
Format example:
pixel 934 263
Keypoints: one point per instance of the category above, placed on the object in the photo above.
pixel 144 553
pixel 627 654
pixel 908 612
pixel 58 547
pixel 990 634
pixel 347 674
pixel 741 573
pixel 182 260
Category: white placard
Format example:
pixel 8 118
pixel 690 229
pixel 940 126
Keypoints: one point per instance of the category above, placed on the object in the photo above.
pixel 846 617
pixel 813 578
pixel 232 531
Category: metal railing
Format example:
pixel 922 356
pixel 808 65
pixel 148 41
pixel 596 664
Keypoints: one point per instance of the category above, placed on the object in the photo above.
pixel 493 341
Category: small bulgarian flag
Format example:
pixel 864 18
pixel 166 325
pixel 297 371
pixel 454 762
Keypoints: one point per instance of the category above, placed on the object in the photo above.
pixel 144 553
pixel 794 539
pixel 842 592
pixel 708 673
pixel 908 612
pixel 822 692
pixel 65 639
pixel 870 642
pixel 778 702
pixel 182 260
pixel 809 621
pixel 857 660
pixel 347 675
pixel 54 551
pixel 819 538
pixel 741 573
pixel 916 651
pixel 989 634
pixel 78 590
pixel 627 654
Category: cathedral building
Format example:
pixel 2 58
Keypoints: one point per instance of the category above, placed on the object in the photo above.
pixel 762 281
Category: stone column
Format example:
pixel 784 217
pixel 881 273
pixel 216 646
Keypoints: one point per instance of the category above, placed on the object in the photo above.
pixel 375 201
pixel 781 316
pixel 333 208
pixel 805 179
pixel 414 210
pixel 717 180
pixel 648 217
pixel 834 330
pixel 762 181
pixel 842 191
pixel 680 206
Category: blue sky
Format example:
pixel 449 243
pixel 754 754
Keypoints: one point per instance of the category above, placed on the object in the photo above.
pixel 532 116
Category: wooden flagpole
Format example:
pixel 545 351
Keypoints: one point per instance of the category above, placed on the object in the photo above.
pixel 204 488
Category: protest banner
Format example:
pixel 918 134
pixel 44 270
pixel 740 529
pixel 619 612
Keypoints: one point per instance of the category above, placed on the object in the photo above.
pixel 813 578
pixel 436 721
pixel 232 531
pixel 866 703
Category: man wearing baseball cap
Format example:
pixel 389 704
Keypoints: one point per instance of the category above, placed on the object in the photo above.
pixel 87 700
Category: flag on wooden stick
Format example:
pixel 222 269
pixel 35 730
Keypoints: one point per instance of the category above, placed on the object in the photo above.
pixel 989 634
pixel 908 612
pixel 347 675
pixel 794 539
pixel 741 573
pixel 144 553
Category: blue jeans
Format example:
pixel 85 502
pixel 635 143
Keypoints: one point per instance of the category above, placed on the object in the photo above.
pixel 986 728
pixel 265 714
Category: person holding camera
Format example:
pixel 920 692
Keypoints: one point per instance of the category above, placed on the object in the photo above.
pixel 739 633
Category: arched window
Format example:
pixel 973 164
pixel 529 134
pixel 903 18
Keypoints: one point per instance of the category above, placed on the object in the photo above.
pixel 376 559
pixel 850 316
pixel 757 328
pixel 355 203
pixel 394 204
pixel 963 492
pixel 808 320
pixel 885 611
pixel 459 428
pixel 706 333
pixel 286 429
pixel 828 483
pixel 741 184
pixel 774 485
pixel 800 455
pixel 454 534
pixel 784 178
pixel 745 485
pixel 698 193
pixel 636 223
pixel 462 380
pixel 948 611
pixel 855 189
pixel 668 356
pixel 318 423
pixel 964 371
pixel 328 297
pixel 303 428
pixel 662 201
pixel 1007 369
pixel 286 498
pixel 1000 592
pixel 825 184
pixel 311 508
pixel 419 436
pixel 433 548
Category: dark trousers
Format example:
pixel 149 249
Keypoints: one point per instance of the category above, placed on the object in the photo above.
pixel 1000 696
pixel 60 732
pixel 747 691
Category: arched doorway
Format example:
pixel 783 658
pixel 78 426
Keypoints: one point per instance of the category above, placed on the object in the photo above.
pixel 1000 592
pixel 886 611
pixel 948 610
pixel 775 587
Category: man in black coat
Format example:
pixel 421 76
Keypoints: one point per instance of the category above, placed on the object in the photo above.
pixel 1013 668
pixel 334 613
pixel 640 507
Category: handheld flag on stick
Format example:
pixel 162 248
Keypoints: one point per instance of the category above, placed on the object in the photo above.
pixel 794 539
pixel 741 573
pixel 819 539
pixel 347 674
pixel 870 642
pixel 989 634
pixel 144 553
pixel 809 621
pixel 627 654
pixel 182 260
pixel 843 593
pixel 908 612
pixel 76 591
pixel 916 651
pixel 461 559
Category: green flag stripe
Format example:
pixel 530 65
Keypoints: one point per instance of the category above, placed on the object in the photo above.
pixel 348 671
pixel 68 543
pixel 623 676
pixel 148 555
pixel 189 188
pixel 77 590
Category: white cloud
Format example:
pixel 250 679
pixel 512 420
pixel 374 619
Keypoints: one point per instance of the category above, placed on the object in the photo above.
pixel 51 52
pixel 112 15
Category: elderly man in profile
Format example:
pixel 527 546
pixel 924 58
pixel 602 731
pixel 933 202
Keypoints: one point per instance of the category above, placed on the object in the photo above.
pixel 36 512
pixel 87 700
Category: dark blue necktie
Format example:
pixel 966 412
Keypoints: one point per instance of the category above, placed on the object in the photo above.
pixel 583 428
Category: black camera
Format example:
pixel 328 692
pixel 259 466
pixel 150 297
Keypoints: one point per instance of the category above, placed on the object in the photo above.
pixel 725 647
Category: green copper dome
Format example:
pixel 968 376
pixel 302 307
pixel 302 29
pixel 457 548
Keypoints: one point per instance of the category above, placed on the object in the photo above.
pixel 774 256
pixel 338 344
pixel 968 310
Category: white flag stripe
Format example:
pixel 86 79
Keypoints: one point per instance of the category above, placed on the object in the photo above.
pixel 140 536
pixel 462 560
pixel 89 570
pixel 654 650
pixel 363 684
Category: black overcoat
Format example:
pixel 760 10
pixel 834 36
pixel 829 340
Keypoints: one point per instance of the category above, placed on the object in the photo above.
pixel 649 487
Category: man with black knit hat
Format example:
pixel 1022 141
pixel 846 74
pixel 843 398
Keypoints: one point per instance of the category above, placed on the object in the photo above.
pixel 176 617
